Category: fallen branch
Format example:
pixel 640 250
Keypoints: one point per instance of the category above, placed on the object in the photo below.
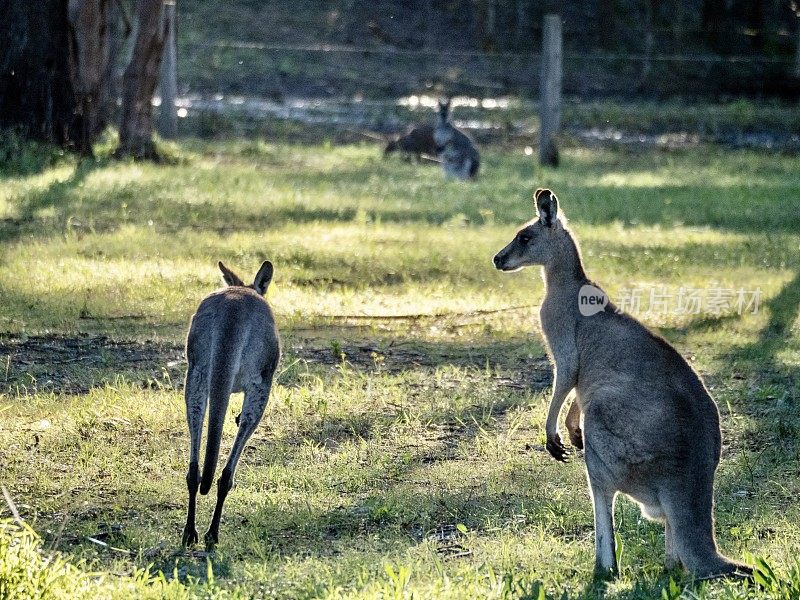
pixel 105 545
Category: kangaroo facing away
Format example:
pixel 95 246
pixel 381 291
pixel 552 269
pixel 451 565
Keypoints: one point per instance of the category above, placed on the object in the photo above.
pixel 650 428
pixel 416 142
pixel 456 151
pixel 233 346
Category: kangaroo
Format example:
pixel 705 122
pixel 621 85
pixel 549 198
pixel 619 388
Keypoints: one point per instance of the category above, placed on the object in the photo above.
pixel 416 142
pixel 650 427
pixel 456 151
pixel 233 346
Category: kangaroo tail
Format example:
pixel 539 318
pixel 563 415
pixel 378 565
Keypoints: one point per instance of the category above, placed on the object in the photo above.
pixel 223 369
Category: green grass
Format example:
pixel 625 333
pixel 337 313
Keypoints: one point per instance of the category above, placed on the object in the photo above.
pixel 398 456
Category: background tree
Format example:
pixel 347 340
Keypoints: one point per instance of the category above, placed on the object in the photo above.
pixel 54 70
pixel 89 45
pixel 140 80
pixel 37 96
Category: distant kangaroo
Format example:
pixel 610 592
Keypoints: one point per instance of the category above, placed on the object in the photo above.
pixel 416 142
pixel 460 158
pixel 650 427
pixel 233 346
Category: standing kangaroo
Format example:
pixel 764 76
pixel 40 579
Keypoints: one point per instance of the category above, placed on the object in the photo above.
pixel 650 428
pixel 460 158
pixel 233 346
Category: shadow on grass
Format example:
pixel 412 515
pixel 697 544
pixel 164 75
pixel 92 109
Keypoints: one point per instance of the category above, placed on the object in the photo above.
pixel 57 195
pixel 784 309
pixel 20 158
pixel 395 200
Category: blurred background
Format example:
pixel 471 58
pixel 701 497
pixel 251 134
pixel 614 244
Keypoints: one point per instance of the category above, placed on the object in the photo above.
pixel 694 70
pixel 371 65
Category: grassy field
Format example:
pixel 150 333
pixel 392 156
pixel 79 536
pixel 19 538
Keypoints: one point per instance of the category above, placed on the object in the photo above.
pixel 402 452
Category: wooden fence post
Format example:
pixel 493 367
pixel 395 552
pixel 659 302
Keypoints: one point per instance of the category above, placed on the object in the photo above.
pixel 550 94
pixel 167 125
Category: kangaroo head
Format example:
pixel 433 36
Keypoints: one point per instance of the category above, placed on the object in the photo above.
pixel 444 110
pixel 443 132
pixel 260 283
pixel 538 240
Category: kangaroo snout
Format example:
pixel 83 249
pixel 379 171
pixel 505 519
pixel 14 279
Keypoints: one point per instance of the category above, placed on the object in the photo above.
pixel 501 262
pixel 497 261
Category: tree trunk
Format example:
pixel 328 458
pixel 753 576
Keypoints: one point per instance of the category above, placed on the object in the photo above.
pixel 89 58
pixel 139 82
pixel 37 97
pixel 120 28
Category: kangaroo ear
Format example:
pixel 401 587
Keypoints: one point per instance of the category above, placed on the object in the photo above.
pixel 229 276
pixel 547 206
pixel 263 277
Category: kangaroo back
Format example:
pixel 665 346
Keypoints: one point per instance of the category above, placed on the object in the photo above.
pixel 418 141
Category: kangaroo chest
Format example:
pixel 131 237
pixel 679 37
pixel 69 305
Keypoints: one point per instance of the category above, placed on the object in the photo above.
pixel 557 318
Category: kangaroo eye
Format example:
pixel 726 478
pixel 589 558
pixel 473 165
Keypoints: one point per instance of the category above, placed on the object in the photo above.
pixel 524 238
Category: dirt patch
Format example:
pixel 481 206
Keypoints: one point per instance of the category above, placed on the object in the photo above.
pixel 73 365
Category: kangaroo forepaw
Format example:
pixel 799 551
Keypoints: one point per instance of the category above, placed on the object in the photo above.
pixel 576 437
pixel 557 449
pixel 190 536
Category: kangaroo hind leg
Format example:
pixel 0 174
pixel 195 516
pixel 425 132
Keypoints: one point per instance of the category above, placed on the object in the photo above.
pixel 605 565
pixel 255 401
pixel 671 558
pixel 196 396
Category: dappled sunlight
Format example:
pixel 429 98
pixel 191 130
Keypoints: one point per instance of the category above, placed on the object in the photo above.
pixel 635 180
pixel 413 388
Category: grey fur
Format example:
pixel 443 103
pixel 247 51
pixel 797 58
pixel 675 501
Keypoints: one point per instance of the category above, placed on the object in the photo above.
pixel 456 151
pixel 650 428
pixel 417 142
pixel 233 346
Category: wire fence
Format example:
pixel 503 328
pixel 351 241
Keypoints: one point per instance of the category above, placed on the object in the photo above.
pixel 280 70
